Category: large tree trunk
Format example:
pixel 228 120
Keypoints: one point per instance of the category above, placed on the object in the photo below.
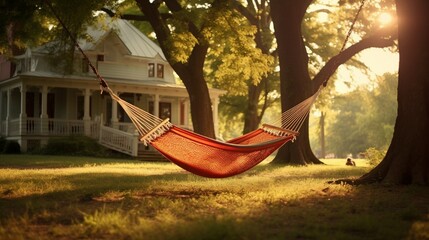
pixel 295 80
pixel 407 159
pixel 251 115
pixel 193 77
pixel 322 134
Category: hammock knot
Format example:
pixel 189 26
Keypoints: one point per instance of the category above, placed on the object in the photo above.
pixel 156 132
pixel 277 131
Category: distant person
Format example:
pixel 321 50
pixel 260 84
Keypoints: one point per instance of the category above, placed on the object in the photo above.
pixel 350 162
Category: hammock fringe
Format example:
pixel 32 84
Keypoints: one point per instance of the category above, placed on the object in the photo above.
pixel 280 132
pixel 156 132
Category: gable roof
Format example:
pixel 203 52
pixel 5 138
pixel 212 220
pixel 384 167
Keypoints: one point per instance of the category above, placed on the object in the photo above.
pixel 137 43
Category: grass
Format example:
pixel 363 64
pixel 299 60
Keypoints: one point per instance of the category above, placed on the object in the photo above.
pixel 45 197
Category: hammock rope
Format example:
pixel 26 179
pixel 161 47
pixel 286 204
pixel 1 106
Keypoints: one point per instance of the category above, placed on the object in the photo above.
pixel 151 127
pixel 148 125
pixel 294 118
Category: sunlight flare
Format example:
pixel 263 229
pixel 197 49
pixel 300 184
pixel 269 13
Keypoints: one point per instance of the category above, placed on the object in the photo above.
pixel 385 19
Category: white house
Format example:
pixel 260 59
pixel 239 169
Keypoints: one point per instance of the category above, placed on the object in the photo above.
pixel 37 101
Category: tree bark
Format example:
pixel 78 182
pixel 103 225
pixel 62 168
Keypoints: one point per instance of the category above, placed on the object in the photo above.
pixel 295 81
pixel 322 134
pixel 407 161
pixel 251 115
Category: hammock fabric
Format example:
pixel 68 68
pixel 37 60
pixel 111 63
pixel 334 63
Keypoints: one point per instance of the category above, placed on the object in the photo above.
pixel 210 158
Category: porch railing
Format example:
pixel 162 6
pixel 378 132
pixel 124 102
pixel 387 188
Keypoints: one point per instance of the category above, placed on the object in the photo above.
pixel 122 138
pixel 119 140
pixel 48 127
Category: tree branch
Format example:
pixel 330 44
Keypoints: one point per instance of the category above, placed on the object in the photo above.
pixel 380 40
pixel 246 12
pixel 134 17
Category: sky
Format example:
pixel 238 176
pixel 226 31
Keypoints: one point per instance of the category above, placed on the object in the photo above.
pixel 378 61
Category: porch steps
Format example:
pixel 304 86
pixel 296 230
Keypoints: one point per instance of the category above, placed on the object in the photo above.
pixel 150 155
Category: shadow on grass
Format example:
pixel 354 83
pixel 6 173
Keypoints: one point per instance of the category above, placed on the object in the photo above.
pixel 364 212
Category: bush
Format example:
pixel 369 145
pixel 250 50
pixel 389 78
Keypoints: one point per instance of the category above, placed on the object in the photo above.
pixel 74 146
pixel 374 156
pixel 2 143
pixel 11 147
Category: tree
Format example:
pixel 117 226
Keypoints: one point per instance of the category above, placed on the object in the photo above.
pixel 363 118
pixel 296 83
pixel 406 161
pixel 32 23
pixel 258 15
pixel 21 25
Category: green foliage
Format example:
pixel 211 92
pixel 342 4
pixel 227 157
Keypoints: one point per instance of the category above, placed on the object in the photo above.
pixel 234 61
pixel 11 147
pixel 22 23
pixel 180 46
pixel 2 143
pixel 231 116
pixel 363 118
pixel 74 146
pixel 374 156
pixel 76 16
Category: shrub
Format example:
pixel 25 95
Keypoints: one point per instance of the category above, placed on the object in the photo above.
pixel 374 156
pixel 11 147
pixel 2 143
pixel 74 146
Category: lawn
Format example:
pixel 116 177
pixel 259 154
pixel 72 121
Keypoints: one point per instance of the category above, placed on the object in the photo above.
pixel 52 197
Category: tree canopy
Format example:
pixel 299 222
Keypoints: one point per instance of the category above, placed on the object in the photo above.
pixel 361 119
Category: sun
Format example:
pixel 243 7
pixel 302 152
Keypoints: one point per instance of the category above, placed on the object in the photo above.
pixel 385 19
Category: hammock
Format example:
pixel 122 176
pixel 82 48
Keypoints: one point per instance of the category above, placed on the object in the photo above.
pixel 207 157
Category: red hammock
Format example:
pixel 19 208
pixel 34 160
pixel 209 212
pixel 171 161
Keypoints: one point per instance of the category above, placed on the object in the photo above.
pixel 210 158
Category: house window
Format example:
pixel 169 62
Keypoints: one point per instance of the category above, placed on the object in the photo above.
pixel 164 109
pixel 80 107
pixel 160 71
pixel 151 70
pixel 100 58
pixel 85 65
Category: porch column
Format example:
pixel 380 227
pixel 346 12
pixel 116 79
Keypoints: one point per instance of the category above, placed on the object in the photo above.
pixel 43 111
pixel 86 113
pixel 156 105
pixel 114 119
pixel 23 114
pixel 215 104
pixel 185 103
pixel 179 112
pixel 8 103
pixel 23 101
